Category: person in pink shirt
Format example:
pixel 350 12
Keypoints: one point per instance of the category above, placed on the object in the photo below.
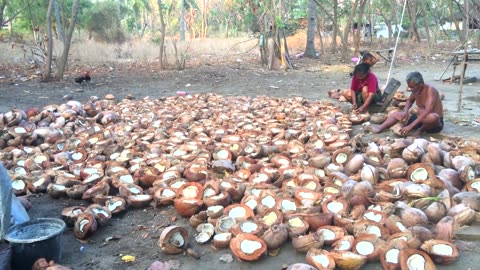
pixel 364 89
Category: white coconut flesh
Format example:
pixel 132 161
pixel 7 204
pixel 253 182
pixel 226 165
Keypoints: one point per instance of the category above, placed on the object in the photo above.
pixel 237 212
pixel 249 246
pixel 222 154
pixel 114 156
pixel 295 222
pixel 269 201
pixel 283 161
pixel 20 130
pixel 168 193
pixel 114 205
pixel 176 239
pixel 190 192
pixel 134 190
pixel 476 185
pixel 374 230
pixel 208 192
pixel 306 195
pixel 419 174
pixel 222 236
pixel 365 248
pixel 327 234
pixel 335 207
pixel 331 190
pixel 179 153
pixel 226 223
pixel 20 170
pixel 442 249
pixel 57 187
pixel 141 197
pixel 374 158
pixel 18 184
pixel 92 177
pixel 203 237
pixel 39 182
pixel 77 156
pixel 322 259
pixel 470 173
pixel 40 158
pixel 373 216
pixel 320 173
pixel 341 158
pixel 127 178
pixel 260 178
pixel 177 185
pixel 83 222
pixel 344 245
pixel 332 167
pixel 248 227
pixel 392 255
pixel 288 205
pixel 311 185
pixel 270 218
pixel 117 169
pixel 215 208
pixel 256 192
pixel 416 262
pixel 226 184
pixel 401 227
pixel 251 203
pixel 98 211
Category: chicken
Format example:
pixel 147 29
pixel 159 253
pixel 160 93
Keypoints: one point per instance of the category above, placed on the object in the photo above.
pixel 85 77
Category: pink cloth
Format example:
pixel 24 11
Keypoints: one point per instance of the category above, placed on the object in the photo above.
pixel 370 81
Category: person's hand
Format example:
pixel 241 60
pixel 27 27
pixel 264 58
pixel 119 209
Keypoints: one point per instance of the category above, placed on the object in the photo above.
pixel 406 130
pixel 361 109
pixel 354 105
pixel 405 118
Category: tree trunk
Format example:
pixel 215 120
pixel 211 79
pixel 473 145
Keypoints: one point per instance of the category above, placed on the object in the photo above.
pixel 48 63
pixel 425 23
pixel 68 41
pixel 162 34
pixel 182 19
pixel 335 26
pixel 348 27
pixel 310 46
pixel 358 35
pixel 412 13
pixel 58 21
pixel 3 5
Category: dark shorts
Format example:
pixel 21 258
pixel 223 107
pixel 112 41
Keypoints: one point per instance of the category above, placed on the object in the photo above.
pixel 377 97
pixel 413 117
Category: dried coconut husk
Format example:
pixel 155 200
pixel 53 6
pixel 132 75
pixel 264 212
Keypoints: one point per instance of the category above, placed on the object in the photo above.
pixel 411 216
pixel 390 255
pixel 471 197
pixel 238 211
pixel 303 243
pixel 321 259
pixel 421 233
pixel 413 191
pixel 473 185
pixel 378 118
pixel 336 206
pixel 270 217
pixel 296 226
pixel 441 252
pixel 222 199
pixel 415 259
pixel 247 226
pixel 342 155
pixel 331 234
pixel 369 173
pixel 222 240
pixel 362 227
pixel 173 240
pixel 368 245
pixel 275 236
pixel 70 214
pixel 354 164
pixel 344 244
pixel 347 260
pixel 408 237
pixel 375 216
pixel 462 214
pixel 420 172
pixel 413 153
pixel 397 168
pixel 304 194
pixel 164 196
pixel 435 153
pixel 373 155
pixel 199 218
pixel 444 230
pixel 320 161
pixel 187 207
pixel 467 173
pixel 395 224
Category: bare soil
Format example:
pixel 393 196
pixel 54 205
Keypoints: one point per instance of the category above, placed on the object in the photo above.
pixel 136 232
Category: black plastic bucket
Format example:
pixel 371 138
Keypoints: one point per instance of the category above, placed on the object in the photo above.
pixel 34 239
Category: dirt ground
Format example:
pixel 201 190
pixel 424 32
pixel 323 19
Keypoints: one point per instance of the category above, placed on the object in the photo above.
pixel 137 231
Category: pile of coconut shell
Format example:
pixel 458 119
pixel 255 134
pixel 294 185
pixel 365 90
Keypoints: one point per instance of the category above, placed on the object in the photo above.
pixel 251 173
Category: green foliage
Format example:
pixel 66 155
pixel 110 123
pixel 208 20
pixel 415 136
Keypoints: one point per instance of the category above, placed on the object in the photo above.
pixel 103 21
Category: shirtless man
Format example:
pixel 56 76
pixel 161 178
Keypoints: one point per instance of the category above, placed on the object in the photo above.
pixel 430 109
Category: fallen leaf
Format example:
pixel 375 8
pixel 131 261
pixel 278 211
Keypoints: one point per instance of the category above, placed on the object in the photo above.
pixel 128 258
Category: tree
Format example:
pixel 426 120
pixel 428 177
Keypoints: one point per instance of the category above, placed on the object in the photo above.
pixel 310 46
pixel 48 63
pixel 67 42
pixel 162 32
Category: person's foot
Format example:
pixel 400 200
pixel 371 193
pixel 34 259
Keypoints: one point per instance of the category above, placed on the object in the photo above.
pixel 375 129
